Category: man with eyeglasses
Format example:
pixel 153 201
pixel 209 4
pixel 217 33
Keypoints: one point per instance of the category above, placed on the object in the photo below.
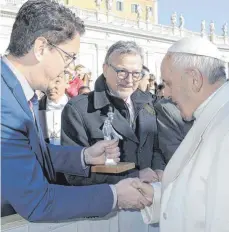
pixel 44 42
pixel 134 116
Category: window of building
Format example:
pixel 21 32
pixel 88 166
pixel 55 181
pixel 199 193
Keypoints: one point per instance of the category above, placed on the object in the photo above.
pixel 151 9
pixel 119 5
pixel 134 8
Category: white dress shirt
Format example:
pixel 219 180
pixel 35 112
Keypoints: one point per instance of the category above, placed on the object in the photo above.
pixel 28 91
pixel 130 106
pixel 53 118
pixel 51 105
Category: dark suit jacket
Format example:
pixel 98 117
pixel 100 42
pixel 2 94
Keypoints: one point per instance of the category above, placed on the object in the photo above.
pixel 42 103
pixel 29 166
pixel 82 121
pixel 60 177
pixel 42 106
pixel 171 127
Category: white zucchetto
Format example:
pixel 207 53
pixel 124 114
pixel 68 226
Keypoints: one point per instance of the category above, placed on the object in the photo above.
pixel 196 46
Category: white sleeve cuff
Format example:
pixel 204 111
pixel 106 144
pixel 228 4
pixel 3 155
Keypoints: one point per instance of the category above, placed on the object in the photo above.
pixel 84 166
pixel 113 189
pixel 151 214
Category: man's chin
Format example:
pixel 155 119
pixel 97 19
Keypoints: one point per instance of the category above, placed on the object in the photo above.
pixel 187 118
pixel 52 98
pixel 124 95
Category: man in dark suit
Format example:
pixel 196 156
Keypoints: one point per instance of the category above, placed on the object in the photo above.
pixel 144 83
pixel 134 116
pixel 44 41
pixel 171 127
pixel 53 102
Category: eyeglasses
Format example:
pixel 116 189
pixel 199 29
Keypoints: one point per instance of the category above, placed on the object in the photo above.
pixel 122 74
pixel 70 57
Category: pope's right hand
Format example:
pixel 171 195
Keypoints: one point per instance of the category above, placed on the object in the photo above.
pixel 129 197
pixel 145 189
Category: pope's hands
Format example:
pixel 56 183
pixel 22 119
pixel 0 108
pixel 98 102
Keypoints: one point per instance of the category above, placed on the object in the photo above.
pixel 148 175
pixel 97 153
pixel 159 174
pixel 145 189
pixel 129 196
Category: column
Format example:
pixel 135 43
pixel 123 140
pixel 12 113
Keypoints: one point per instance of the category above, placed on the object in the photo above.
pixel 155 11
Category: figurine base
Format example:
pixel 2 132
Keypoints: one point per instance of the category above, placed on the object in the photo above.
pixel 119 168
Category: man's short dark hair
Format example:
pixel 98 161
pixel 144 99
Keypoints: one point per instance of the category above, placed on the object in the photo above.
pixel 43 18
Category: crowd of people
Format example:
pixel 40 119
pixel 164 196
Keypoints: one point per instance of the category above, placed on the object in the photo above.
pixel 176 133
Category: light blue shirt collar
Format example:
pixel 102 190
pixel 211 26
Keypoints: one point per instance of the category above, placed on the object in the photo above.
pixel 28 91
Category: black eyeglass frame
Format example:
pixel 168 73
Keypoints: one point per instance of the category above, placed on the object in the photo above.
pixel 127 73
pixel 73 57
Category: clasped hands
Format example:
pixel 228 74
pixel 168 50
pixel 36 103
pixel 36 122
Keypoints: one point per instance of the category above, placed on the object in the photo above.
pixel 137 193
pixel 132 193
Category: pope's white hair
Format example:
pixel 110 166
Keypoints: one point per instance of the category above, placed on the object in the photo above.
pixel 212 68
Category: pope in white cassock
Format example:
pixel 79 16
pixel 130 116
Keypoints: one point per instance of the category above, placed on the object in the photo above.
pixel 194 193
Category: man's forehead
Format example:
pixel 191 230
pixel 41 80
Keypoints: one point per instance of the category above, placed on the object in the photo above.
pixel 73 45
pixel 122 57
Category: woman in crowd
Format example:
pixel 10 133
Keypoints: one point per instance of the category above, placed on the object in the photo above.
pixel 83 74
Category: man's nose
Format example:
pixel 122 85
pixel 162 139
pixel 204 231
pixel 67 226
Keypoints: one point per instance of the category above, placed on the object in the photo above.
pixel 129 78
pixel 70 69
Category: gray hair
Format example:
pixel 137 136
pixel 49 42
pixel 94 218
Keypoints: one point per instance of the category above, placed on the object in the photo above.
pixel 124 47
pixel 214 69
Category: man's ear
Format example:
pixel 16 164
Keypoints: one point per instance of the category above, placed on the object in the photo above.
pixel 196 78
pixel 40 47
pixel 105 68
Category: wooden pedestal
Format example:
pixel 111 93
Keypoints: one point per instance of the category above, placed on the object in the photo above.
pixel 119 168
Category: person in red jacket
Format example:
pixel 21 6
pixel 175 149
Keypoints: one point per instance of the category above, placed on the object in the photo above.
pixel 74 86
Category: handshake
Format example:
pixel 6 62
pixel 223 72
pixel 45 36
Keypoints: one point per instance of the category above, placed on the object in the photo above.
pixel 132 193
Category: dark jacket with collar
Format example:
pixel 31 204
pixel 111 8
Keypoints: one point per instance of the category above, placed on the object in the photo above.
pixel 43 106
pixel 172 129
pixel 60 178
pixel 82 121
pixel 42 103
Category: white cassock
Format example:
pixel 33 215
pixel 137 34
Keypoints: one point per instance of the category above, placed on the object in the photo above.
pixel 194 196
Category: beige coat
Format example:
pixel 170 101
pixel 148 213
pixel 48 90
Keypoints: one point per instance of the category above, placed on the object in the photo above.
pixel 195 188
